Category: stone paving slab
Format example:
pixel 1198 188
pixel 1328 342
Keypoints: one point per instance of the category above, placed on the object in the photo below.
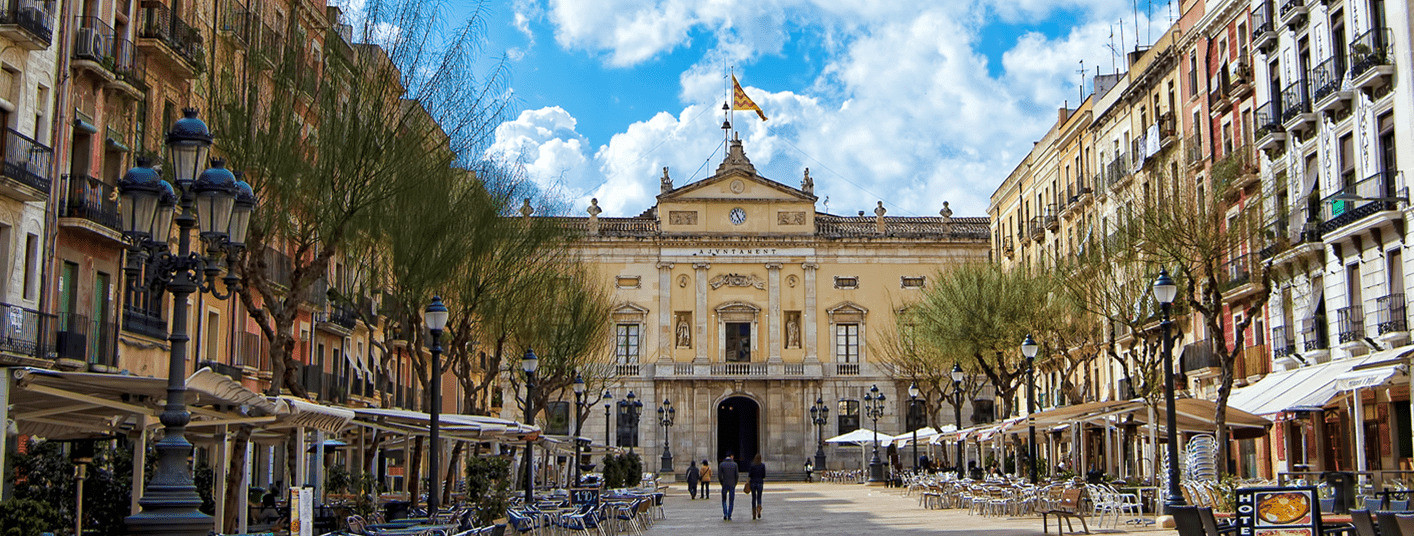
pixel 800 509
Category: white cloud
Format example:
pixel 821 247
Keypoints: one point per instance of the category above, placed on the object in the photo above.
pixel 904 109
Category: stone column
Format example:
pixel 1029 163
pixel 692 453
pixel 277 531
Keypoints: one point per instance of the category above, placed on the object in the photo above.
pixel 666 336
pixel 773 311
pixel 808 315
pixel 700 314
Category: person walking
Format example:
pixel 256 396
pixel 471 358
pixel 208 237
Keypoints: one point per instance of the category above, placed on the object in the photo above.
pixel 706 475
pixel 693 476
pixel 756 477
pixel 809 471
pixel 728 480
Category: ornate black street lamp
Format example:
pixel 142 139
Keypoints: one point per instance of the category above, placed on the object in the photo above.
pixel 219 207
pixel 608 405
pixel 579 407
pixel 528 364
pixel 820 415
pixel 1028 349
pixel 436 317
pixel 632 408
pixel 912 403
pixel 874 408
pixel 1165 291
pixel 666 413
pixel 957 376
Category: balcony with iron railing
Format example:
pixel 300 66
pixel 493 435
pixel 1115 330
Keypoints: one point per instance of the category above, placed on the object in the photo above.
pixel 1119 171
pixel 270 46
pixel 1325 82
pixel 1036 228
pixel 129 67
pixel 1283 341
pixel 1390 314
pixel 1219 89
pixel 1315 333
pixel 1295 106
pixel 1263 25
pixel 1193 148
pixel 236 21
pixel 26 333
pixel 1269 130
pixel 1238 272
pixel 1371 196
pixel 93 45
pixel 1350 324
pixel 26 165
pixel 1007 247
pixel 144 322
pixel 1292 12
pixel 171 40
pixel 80 338
pixel 1370 58
pixel 94 204
pixel 29 23
pixel 1049 218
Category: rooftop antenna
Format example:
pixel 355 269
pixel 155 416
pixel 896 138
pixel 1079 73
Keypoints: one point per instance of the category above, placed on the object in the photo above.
pixel 1135 11
pixel 1114 52
pixel 1081 72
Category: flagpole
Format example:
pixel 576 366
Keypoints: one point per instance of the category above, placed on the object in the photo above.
pixel 731 112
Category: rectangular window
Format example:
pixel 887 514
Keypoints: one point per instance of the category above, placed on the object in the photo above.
pixel 626 338
pixel 847 343
pixel 911 282
pixel 849 416
pixel 213 335
pixel 557 418
pixel 31 265
pixel 846 282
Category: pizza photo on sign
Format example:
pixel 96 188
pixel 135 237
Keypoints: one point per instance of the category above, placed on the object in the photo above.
pixel 1283 508
pixel 1282 532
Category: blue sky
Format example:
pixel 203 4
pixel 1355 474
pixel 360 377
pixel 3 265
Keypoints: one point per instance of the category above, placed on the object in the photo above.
pixel 911 103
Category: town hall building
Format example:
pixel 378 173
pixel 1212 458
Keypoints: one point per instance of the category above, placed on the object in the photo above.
pixel 742 304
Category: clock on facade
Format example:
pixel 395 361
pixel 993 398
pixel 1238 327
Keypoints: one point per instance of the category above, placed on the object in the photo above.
pixel 738 216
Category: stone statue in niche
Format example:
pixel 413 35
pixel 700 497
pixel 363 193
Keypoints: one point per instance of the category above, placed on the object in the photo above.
pixel 684 332
pixel 793 333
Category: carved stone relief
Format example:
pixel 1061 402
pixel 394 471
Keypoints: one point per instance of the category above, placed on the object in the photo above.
pixel 682 217
pixel 790 218
pixel 737 280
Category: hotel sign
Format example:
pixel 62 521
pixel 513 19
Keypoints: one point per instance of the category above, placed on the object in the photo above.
pixel 738 252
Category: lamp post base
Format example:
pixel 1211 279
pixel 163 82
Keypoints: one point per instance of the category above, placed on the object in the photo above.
pixel 667 463
pixel 177 521
pixel 876 471
pixel 819 461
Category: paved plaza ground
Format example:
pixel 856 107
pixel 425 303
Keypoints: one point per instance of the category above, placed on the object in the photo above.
pixel 800 509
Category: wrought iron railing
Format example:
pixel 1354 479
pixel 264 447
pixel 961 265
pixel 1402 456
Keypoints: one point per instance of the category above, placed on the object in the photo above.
pixel 128 64
pixel 1314 333
pixel 144 322
pixel 26 331
pixel 1390 315
pixel 26 160
pixel 1368 50
pixel 1268 119
pixel 1350 324
pixel 1326 77
pixel 1294 101
pixel 1283 342
pixel 93 40
pixel 34 16
pixel 1239 272
pixel 1370 196
pixel 92 341
pixel 158 22
pixel 1262 20
pixel 93 200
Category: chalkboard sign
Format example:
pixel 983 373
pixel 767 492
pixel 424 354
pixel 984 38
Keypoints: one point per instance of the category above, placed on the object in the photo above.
pixel 1278 511
pixel 580 496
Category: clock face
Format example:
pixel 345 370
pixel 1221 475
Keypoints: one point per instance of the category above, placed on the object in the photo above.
pixel 738 216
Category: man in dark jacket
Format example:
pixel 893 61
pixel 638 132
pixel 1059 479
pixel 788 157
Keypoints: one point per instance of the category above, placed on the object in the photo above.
pixel 727 475
pixel 693 477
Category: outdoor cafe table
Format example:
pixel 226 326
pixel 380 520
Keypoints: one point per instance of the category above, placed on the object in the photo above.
pixel 415 530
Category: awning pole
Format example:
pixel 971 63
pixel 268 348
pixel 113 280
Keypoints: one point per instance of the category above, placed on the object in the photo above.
pixel 302 459
pixel 1358 409
pixel 223 463
pixel 139 464
pixel 4 425
pixel 243 498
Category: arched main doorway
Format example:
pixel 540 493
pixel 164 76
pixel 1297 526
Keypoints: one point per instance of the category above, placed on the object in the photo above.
pixel 738 422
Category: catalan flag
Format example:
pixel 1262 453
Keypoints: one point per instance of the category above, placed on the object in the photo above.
pixel 742 102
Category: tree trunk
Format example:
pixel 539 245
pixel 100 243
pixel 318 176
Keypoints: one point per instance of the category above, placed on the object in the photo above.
pixel 414 471
pixel 451 472
pixel 234 473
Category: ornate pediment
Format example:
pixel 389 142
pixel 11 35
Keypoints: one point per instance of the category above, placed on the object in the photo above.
pixel 737 280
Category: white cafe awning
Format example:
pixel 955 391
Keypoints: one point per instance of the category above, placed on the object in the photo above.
pixel 1362 379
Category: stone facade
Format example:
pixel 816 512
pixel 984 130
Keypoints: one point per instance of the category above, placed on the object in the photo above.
pixel 730 300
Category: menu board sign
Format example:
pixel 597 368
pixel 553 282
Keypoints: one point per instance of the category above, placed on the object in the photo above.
pixel 1278 512
pixel 584 496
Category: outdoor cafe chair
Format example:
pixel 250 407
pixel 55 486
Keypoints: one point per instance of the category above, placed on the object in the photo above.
pixel 1211 525
pixel 1188 521
pixel 1363 523
pixel 1389 524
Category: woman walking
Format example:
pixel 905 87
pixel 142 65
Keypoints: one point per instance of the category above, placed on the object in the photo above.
pixel 756 477
pixel 706 475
